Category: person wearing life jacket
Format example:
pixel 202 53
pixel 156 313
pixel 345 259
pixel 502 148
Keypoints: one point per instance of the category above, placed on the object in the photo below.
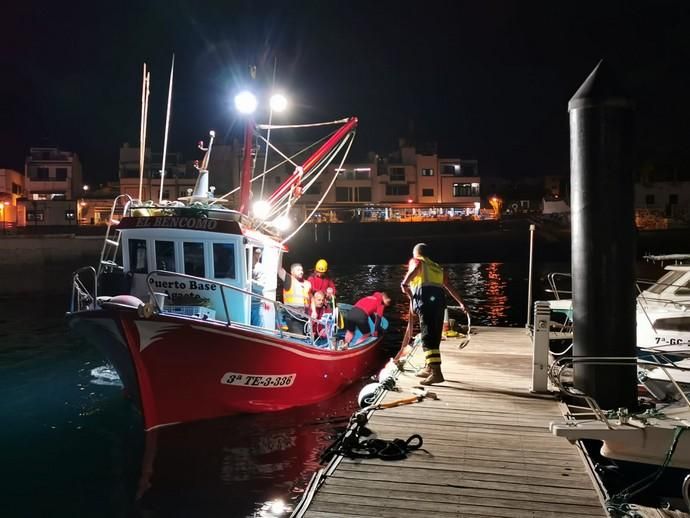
pixel 320 281
pixel 365 308
pixel 296 297
pixel 426 283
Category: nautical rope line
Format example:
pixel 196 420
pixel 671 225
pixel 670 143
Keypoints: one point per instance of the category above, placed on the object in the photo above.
pixel 284 201
pixel 292 126
pixel 330 186
pixel 619 503
pixel 287 159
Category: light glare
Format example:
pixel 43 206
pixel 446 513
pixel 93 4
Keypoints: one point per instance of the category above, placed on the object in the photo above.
pixel 278 102
pixel 282 223
pixel 245 102
pixel 261 209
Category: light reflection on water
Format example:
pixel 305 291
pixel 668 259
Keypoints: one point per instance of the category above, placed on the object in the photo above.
pixel 76 442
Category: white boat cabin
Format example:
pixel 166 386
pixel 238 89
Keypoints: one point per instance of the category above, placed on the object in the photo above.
pixel 672 287
pixel 214 252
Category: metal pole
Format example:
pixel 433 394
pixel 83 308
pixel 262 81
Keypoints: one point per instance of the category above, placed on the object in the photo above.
pixel 167 126
pixel 529 277
pixel 602 142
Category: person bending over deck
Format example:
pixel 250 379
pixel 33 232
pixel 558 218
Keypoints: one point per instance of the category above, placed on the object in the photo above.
pixel 296 298
pixel 425 283
pixel 358 317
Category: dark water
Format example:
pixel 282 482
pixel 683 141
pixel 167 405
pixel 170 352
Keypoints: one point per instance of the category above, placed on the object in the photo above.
pixel 72 444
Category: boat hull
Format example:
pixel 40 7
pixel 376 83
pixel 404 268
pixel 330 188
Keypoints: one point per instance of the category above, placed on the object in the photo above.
pixel 643 442
pixel 184 369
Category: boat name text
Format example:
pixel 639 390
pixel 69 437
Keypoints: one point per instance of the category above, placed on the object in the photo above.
pixel 258 380
pixel 180 285
pixel 178 222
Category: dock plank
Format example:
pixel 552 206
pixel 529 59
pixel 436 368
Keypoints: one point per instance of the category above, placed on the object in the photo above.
pixel 487 448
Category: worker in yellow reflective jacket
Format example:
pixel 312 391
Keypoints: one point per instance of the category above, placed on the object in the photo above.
pixel 425 283
pixel 296 297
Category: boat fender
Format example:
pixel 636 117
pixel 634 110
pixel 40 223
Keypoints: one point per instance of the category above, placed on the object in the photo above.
pixel 126 300
pixel 367 396
pixel 389 372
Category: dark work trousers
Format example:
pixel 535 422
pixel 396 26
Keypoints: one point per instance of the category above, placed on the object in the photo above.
pixel 431 324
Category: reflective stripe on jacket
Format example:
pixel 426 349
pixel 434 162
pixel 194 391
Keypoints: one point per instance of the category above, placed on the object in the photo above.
pixel 298 293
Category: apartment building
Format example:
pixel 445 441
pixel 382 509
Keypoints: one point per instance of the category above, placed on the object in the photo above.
pixel 409 183
pixel 11 188
pixel 52 174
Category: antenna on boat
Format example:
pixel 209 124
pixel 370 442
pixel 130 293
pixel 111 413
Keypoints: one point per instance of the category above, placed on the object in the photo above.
pixel 167 125
pixel 201 187
pixel 142 130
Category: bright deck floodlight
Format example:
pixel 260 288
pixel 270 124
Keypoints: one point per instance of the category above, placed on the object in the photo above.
pixel 278 102
pixel 282 223
pixel 245 102
pixel 261 209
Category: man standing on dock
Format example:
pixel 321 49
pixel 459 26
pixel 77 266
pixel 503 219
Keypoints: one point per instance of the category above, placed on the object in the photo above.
pixel 425 284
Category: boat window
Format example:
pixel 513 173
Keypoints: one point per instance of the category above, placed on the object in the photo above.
pixel 224 260
pixel 165 256
pixel 684 290
pixel 194 259
pixel 137 256
pixel 667 280
pixel 672 324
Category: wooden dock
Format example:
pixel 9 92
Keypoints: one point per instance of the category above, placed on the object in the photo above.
pixel 487 448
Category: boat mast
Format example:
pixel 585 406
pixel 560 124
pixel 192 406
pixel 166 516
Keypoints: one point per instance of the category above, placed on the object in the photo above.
pixel 268 132
pixel 142 130
pixel 167 125
pixel 246 179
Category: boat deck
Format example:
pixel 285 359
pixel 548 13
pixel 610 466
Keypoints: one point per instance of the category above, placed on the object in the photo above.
pixel 487 448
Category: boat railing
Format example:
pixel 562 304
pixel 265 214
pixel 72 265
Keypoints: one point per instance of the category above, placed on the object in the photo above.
pixel 83 297
pixel 279 308
pixel 554 280
pixel 653 359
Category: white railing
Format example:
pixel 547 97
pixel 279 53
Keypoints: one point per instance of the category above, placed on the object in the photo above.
pixel 83 298
pixel 279 308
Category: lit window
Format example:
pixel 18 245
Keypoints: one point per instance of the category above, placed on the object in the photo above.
pixel 427 172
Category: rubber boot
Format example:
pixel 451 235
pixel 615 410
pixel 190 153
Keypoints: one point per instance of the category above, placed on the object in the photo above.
pixel 435 377
pixel 424 373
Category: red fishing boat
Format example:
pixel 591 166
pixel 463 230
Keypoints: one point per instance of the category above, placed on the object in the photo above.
pixel 174 304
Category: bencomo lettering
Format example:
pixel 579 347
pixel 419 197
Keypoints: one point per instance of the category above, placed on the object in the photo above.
pixel 178 222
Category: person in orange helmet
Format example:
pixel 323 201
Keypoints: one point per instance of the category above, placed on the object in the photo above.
pixel 320 281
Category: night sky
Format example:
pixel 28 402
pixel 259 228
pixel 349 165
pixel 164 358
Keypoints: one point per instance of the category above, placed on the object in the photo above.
pixel 486 79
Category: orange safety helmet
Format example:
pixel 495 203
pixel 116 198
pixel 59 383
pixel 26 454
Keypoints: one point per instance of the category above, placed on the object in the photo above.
pixel 321 266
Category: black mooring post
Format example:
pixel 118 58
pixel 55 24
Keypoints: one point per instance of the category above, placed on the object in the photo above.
pixel 603 239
